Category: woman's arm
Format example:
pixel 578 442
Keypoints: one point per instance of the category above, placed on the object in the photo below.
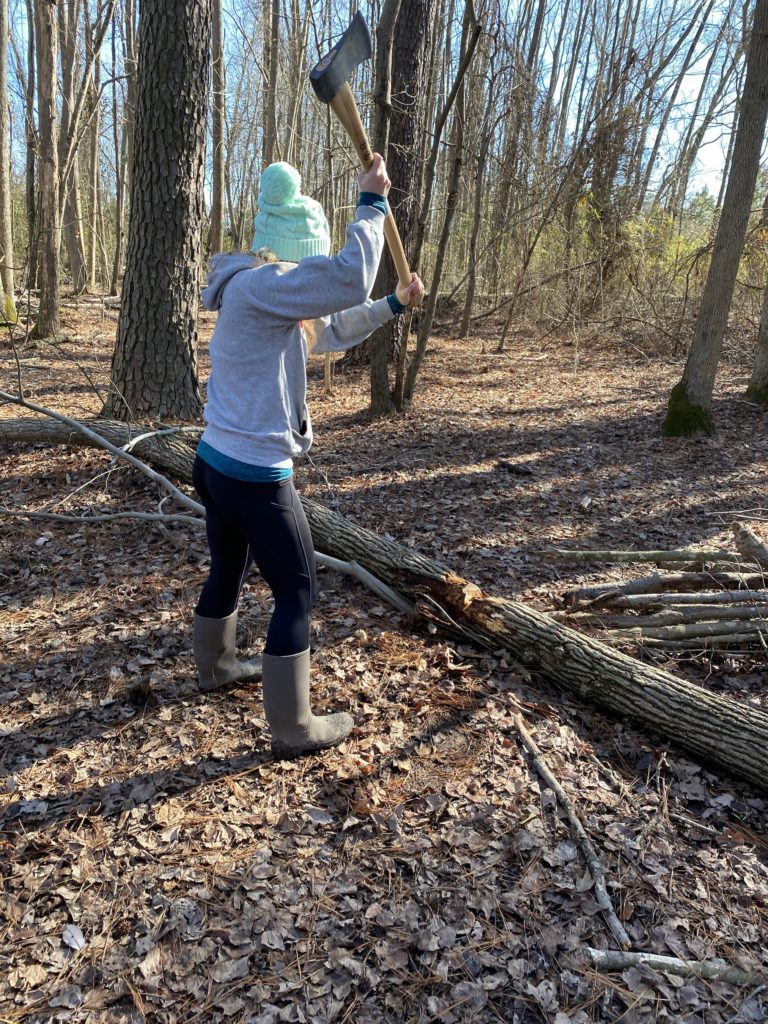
pixel 344 330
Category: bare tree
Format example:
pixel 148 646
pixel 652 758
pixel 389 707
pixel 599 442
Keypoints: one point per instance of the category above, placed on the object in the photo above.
pixel 123 139
pixel 689 409
pixel 218 117
pixel 470 34
pixel 271 59
pixel 30 134
pixel 408 89
pixel 69 18
pixel 8 311
pixel 154 368
pixel 47 324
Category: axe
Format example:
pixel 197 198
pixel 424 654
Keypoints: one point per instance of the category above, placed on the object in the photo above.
pixel 329 80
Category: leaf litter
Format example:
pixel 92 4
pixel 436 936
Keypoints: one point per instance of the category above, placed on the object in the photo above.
pixel 157 865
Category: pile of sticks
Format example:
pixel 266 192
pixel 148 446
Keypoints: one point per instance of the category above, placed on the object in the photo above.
pixel 712 600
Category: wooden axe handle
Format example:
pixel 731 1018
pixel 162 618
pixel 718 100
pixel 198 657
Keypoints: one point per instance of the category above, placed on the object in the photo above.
pixel 344 107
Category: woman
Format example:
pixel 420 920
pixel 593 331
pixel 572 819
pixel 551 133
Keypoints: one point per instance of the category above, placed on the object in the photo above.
pixel 257 422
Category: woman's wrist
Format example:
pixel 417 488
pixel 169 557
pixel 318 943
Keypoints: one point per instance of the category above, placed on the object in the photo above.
pixel 378 202
pixel 395 304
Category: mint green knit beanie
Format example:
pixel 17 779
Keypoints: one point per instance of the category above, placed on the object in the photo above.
pixel 291 225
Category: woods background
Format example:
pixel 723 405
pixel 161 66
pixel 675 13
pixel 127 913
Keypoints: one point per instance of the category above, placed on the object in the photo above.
pixel 580 185
pixel 552 161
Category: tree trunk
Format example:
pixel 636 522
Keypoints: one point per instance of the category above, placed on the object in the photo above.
pixel 30 176
pixel 216 225
pixel 757 390
pixel 408 87
pixel 271 47
pixel 477 207
pixel 382 97
pixel 469 37
pixel 689 410
pixel 154 368
pixel 8 311
pixel 69 15
pixel 123 141
pixel 47 325
pixel 729 734
pixel 94 154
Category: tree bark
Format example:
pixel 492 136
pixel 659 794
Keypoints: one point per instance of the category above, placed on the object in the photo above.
pixel 8 311
pixel 382 98
pixel 123 141
pixel 757 389
pixel 469 37
pixel 95 212
pixel 412 29
pixel 216 225
pixel 47 324
pixel 154 368
pixel 271 57
pixel 71 206
pixel 689 410
pixel 717 730
pixel 30 169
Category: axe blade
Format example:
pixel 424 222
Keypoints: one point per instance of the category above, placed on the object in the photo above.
pixel 330 73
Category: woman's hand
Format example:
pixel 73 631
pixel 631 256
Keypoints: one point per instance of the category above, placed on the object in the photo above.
pixel 375 179
pixel 411 294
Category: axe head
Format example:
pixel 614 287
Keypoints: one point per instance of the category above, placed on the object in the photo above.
pixel 329 74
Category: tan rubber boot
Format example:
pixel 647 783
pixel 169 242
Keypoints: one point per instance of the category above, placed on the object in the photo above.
pixel 213 644
pixel 295 730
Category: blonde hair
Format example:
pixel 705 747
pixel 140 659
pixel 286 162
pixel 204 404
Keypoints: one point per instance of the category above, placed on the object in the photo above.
pixel 265 255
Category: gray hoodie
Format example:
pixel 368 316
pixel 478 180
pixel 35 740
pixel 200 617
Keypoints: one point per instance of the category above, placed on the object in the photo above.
pixel 256 410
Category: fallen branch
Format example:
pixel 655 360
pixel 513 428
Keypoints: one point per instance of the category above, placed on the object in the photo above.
pixel 710 970
pixel 745 641
pixel 368 580
pixel 100 441
pixel 730 734
pixel 700 598
pixel 604 592
pixel 693 629
pixel 104 517
pixel 693 557
pixel 585 844
pixel 671 615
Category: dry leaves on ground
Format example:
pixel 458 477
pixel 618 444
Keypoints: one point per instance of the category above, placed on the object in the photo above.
pixel 157 865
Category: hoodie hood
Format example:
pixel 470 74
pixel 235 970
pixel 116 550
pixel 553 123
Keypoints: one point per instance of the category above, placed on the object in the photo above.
pixel 224 266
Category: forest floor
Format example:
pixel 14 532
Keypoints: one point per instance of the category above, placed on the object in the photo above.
pixel 157 865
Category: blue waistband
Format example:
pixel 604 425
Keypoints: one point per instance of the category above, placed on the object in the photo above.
pixel 242 470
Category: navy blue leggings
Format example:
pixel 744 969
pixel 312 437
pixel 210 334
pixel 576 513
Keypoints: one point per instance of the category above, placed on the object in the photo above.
pixel 265 524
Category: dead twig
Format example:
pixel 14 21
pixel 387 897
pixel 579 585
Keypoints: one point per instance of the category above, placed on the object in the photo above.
pixel 585 844
pixel 368 580
pixel 154 517
pixel 710 970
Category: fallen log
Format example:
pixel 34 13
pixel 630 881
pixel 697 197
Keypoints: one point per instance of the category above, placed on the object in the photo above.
pixel 713 729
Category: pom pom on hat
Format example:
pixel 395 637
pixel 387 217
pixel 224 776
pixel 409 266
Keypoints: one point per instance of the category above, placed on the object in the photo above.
pixel 280 183
pixel 291 225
